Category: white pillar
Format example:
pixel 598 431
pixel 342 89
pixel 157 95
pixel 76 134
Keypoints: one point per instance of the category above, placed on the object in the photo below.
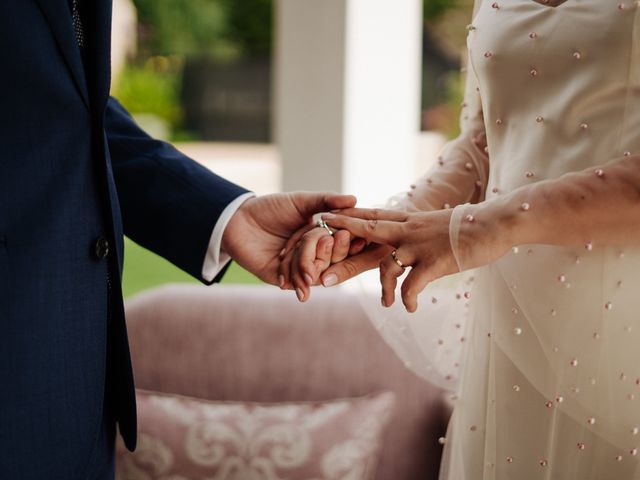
pixel 348 94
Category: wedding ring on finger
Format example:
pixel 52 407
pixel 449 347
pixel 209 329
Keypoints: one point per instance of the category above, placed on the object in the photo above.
pixel 397 261
pixel 322 224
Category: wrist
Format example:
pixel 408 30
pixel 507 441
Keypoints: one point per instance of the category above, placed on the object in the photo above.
pixel 237 223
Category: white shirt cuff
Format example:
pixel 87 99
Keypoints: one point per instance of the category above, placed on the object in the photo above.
pixel 215 259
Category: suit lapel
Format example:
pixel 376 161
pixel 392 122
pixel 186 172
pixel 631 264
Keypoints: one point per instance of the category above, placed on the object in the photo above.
pixel 59 17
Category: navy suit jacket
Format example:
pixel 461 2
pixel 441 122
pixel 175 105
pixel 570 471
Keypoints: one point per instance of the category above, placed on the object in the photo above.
pixel 74 168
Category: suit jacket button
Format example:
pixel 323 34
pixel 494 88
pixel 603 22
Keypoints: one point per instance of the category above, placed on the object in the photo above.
pixel 102 248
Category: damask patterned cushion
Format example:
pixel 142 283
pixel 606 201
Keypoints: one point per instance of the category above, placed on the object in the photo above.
pixel 184 438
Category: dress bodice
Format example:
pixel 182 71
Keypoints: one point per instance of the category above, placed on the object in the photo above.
pixel 556 86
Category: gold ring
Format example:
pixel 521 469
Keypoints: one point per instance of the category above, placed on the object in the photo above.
pixel 322 224
pixel 394 255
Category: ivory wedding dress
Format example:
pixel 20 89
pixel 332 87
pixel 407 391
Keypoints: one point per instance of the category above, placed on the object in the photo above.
pixel 542 348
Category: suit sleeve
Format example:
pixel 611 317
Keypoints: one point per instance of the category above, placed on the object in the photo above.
pixel 169 203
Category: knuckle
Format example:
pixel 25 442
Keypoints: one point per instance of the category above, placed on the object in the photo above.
pixel 350 268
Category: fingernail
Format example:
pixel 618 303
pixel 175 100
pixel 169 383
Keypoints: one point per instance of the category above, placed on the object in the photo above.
pixel 384 304
pixel 281 281
pixel 300 294
pixel 282 252
pixel 328 216
pixel 308 280
pixel 330 280
pixel 337 210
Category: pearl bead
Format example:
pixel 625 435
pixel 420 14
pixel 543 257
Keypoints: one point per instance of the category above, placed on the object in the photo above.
pixel 488 54
pixel 528 174
pixel 514 310
pixel 596 336
pixel 548 404
pixel 495 190
pixel 633 452
pixel 559 399
pixel 468 166
pixel 623 377
pixel 509 459
pixel 635 430
pixel 470 218
pixel 627 154
pixel 562 278
pixel 581 446
pixel 584 126
pixel 434 300
pixel 591 421
pixel 577 55
pixel 516 388
pixel 495 5
pixel 600 172
pixel 588 246
pixel 533 35
pixel 442 440
pixel 608 305
pixel 499 121
pixel 618 458
pixel 621 6
pixel 553 312
pixel 525 206
pixel 486 149
pixel 473 428
pixel 574 362
pixel 446 206
pixel 467 295
pixel 539 119
pixel 517 331
pixel 515 249
pixel 533 72
pixel 470 27
pixel 543 463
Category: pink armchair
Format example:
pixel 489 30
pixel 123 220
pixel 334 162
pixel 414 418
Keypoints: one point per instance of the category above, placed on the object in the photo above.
pixel 259 344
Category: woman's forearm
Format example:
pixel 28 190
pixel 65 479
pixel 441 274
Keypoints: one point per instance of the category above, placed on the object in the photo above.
pixel 595 207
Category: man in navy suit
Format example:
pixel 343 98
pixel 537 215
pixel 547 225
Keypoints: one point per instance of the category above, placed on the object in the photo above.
pixel 76 173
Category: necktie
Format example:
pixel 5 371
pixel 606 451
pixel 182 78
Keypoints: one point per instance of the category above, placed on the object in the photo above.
pixel 77 23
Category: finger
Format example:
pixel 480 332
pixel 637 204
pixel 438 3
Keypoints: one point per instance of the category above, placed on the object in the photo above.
pixel 324 252
pixel 341 246
pixel 309 203
pixel 375 214
pixel 378 231
pixel 297 280
pixel 284 272
pixel 294 239
pixel 357 246
pixel 389 273
pixel 355 265
pixel 418 278
pixel 308 252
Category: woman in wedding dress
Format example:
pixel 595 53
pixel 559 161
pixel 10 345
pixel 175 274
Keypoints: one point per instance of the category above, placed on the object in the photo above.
pixel 538 202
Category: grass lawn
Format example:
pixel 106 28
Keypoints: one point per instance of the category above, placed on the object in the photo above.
pixel 143 270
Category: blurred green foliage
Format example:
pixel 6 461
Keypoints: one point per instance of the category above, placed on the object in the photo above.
pixel 153 88
pixel 434 9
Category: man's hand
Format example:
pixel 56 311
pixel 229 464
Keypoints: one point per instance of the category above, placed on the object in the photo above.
pixel 260 229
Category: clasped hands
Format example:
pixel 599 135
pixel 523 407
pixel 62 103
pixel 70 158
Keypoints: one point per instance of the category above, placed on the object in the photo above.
pixel 364 239
pixel 275 238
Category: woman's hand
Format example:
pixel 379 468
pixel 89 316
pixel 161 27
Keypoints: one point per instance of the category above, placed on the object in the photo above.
pixel 421 241
pixel 309 253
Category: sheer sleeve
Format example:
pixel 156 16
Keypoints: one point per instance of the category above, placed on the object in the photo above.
pixel 431 342
pixel 461 172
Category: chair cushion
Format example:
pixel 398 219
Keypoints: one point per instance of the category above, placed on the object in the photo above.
pixel 188 438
